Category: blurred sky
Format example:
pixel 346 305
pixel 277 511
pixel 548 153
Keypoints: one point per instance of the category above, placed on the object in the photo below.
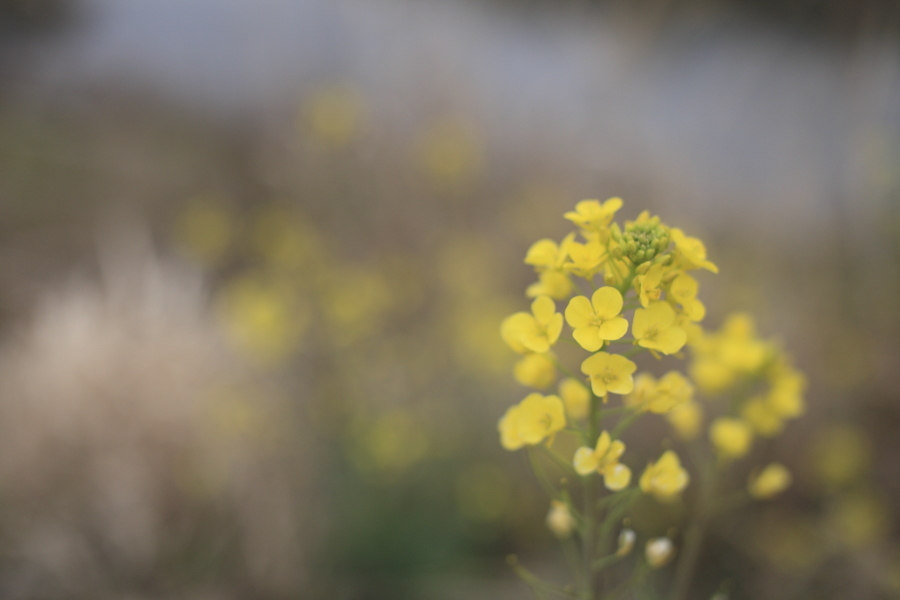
pixel 754 122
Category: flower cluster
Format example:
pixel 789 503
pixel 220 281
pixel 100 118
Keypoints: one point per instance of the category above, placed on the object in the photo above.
pixel 624 291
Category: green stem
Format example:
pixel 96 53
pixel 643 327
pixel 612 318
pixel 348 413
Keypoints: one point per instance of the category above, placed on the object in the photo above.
pixel 693 540
pixel 624 423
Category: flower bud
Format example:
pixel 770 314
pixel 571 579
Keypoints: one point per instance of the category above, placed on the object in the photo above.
pixel 659 552
pixel 560 520
pixel 627 537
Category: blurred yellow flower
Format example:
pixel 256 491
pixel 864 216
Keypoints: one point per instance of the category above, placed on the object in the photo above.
pixel 536 332
pixel 530 422
pixel 535 370
pixel 769 482
pixel 665 479
pixel 592 215
pixel 597 319
pixel 731 437
pixel 585 260
pixel 690 252
pixel 685 419
pixel 654 328
pixel 660 396
pixel 604 459
pixel 648 284
pixel 609 373
pixel 576 397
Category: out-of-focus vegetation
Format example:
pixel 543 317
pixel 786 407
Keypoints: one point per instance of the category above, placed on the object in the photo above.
pixel 257 354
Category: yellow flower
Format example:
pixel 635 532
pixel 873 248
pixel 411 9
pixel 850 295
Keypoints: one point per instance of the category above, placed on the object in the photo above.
pixel 576 397
pixel 648 284
pixel 770 482
pixel 604 459
pixel 531 421
pixel 659 551
pixel 597 319
pixel 535 332
pixel 535 370
pixel 786 396
pixel 555 284
pixel 548 257
pixel 654 328
pixel 685 419
pixel 591 214
pixel 560 520
pixel 690 252
pixel 609 373
pixel 547 254
pixel 586 260
pixel 757 413
pixel 683 290
pixel 731 437
pixel 665 478
pixel 643 391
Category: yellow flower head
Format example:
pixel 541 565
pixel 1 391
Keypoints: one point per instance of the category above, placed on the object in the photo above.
pixel 654 328
pixel 535 332
pixel 731 437
pixel 535 370
pixel 685 419
pixel 770 482
pixel 609 373
pixel 648 284
pixel 604 459
pixel 690 252
pixel 586 260
pixel 576 397
pixel 591 214
pixel 764 421
pixel 666 478
pixel 555 284
pixel 662 396
pixel 531 421
pixel 683 290
pixel 597 319
pixel 547 254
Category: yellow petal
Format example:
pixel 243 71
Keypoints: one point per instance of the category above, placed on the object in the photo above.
pixel 579 312
pixel 616 477
pixel 588 338
pixel 543 309
pixel 585 461
pixel 607 302
pixel 613 329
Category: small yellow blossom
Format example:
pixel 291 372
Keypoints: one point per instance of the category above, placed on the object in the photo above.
pixel 535 332
pixel 597 319
pixel 560 520
pixel 535 370
pixel 530 422
pixel 770 482
pixel 666 478
pixel 548 258
pixel 683 290
pixel 592 215
pixel 648 285
pixel 609 373
pixel 586 260
pixel 547 254
pixel 654 328
pixel 690 252
pixel 758 414
pixel 731 437
pixel 659 551
pixel 576 397
pixel 555 284
pixel 627 538
pixel 604 459
pixel 686 419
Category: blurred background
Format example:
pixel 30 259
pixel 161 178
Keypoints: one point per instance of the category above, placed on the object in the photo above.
pixel 254 257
